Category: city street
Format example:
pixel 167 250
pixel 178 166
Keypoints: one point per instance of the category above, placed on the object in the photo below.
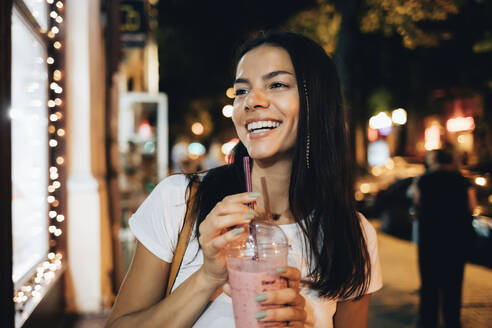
pixel 395 305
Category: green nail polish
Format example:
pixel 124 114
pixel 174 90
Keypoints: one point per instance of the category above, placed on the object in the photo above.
pixel 248 216
pixel 281 269
pixel 254 194
pixel 261 314
pixel 237 231
pixel 261 297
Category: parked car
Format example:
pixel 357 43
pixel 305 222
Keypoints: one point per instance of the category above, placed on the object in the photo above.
pixel 481 251
pixel 394 209
pixel 398 215
pixel 380 178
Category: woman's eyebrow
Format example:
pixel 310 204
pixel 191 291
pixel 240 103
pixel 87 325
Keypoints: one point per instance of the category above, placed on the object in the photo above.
pixel 264 77
pixel 275 73
pixel 241 80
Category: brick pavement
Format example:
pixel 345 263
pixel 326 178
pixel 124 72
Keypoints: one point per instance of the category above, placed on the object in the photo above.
pixel 395 306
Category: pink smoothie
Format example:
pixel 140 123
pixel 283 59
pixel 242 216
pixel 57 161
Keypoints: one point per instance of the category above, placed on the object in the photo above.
pixel 254 278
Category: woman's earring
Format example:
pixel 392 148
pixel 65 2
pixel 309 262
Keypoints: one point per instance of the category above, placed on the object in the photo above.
pixel 308 137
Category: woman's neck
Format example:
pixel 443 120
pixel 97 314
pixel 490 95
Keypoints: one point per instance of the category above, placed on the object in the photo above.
pixel 272 181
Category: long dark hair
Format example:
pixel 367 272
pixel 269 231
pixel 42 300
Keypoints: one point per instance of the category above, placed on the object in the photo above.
pixel 321 196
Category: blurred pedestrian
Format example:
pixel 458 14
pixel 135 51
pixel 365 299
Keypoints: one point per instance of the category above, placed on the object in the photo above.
pixel 445 201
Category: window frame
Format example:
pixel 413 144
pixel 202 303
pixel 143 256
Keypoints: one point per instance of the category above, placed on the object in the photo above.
pixel 6 283
pixel 53 287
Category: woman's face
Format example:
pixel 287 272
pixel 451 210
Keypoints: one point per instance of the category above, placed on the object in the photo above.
pixel 266 107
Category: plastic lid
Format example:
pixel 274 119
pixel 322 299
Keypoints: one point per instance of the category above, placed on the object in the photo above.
pixel 270 238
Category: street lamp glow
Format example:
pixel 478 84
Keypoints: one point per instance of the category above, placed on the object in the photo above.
pixel 481 181
pixel 399 116
pixel 380 121
pixel 227 111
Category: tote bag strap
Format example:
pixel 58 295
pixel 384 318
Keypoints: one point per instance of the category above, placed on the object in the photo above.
pixel 183 239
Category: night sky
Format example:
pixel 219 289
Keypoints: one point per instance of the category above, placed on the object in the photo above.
pixel 198 39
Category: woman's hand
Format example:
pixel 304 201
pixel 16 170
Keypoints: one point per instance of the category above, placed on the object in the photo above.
pixel 216 232
pixel 292 312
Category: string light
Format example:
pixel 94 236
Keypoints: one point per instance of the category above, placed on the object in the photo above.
pixel 45 272
pixel 57 75
pixel 55 118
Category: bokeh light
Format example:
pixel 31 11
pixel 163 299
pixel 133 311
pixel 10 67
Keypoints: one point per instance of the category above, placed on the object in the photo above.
pixel 227 111
pixel 197 128
pixel 230 93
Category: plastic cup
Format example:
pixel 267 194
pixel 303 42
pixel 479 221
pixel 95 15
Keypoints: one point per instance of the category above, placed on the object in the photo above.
pixel 252 273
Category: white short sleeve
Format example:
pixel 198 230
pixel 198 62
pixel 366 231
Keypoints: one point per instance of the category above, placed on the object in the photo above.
pixel 372 247
pixel 157 222
pixel 376 281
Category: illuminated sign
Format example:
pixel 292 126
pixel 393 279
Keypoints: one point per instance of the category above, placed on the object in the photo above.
pixel 433 137
pixel 459 123
pixel 133 24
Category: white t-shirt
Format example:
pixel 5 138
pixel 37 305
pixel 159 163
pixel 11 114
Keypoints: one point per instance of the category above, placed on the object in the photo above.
pixel 157 223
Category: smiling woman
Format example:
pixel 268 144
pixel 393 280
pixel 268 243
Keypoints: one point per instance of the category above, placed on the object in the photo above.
pixel 266 107
pixel 291 122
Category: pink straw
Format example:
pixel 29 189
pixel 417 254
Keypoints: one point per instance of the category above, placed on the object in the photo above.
pixel 249 188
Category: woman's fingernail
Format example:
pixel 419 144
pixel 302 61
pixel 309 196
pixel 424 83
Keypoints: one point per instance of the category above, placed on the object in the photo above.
pixel 260 315
pixel 237 231
pixel 261 297
pixel 281 269
pixel 248 216
pixel 254 194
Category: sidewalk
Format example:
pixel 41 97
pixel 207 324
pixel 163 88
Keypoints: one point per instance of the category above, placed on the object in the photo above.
pixel 395 305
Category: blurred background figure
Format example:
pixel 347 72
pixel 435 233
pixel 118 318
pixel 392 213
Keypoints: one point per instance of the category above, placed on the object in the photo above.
pixel 445 202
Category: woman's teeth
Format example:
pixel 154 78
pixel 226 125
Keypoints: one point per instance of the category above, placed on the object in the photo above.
pixel 262 126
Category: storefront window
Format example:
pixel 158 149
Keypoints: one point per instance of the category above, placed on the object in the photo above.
pixel 39 10
pixel 29 149
pixel 142 140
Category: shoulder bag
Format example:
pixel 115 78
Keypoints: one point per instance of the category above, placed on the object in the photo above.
pixel 183 239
